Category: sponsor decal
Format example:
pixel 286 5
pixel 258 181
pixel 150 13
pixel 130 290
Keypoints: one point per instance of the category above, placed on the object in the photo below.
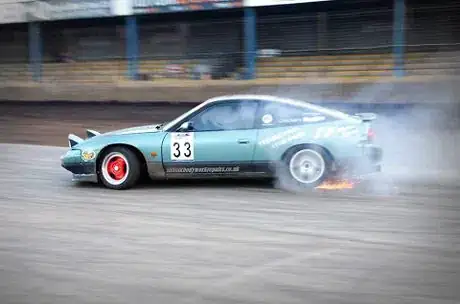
pixel 162 6
pixel 348 131
pixel 267 118
pixel 67 9
pixel 276 2
pixel 326 132
pixel 290 120
pixel 203 169
pixel 305 119
pixel 121 7
pixel 288 139
pixel 13 12
pixel 280 136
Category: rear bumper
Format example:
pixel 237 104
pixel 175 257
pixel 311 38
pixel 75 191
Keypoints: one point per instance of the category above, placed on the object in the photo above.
pixel 373 154
pixel 368 163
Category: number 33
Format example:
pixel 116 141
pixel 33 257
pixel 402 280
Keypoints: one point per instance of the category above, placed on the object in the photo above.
pixel 177 150
pixel 182 146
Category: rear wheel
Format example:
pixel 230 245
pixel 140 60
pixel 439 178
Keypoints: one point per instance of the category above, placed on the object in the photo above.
pixel 119 168
pixel 306 167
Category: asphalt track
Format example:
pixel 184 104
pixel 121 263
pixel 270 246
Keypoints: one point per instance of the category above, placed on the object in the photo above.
pixel 218 243
pixel 222 242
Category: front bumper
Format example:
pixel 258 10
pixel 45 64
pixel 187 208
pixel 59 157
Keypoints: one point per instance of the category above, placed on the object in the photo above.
pixel 81 170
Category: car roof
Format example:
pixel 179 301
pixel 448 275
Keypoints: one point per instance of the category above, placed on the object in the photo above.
pixel 283 100
pixel 271 98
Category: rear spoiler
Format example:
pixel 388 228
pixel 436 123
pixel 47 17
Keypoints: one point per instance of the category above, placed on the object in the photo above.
pixel 75 140
pixel 366 117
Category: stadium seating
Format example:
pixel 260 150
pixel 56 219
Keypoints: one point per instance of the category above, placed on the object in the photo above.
pixel 343 66
pixel 14 72
pixel 106 71
pixel 86 71
pixel 433 64
pixel 346 67
pixel 356 66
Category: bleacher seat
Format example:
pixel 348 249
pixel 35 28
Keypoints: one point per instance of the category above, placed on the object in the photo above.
pixel 343 66
pixel 432 63
pixel 371 66
pixel 85 71
pixel 349 67
pixel 14 72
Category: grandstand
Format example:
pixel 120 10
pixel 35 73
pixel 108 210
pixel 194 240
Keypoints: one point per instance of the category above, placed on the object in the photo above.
pixel 352 41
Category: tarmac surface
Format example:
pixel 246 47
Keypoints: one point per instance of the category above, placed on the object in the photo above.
pixel 219 242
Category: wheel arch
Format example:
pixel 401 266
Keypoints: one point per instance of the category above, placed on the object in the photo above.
pixel 316 147
pixel 132 148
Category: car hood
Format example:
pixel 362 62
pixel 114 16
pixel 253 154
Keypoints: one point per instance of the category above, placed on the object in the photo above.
pixel 136 130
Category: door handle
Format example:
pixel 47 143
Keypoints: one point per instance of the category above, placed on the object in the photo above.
pixel 243 141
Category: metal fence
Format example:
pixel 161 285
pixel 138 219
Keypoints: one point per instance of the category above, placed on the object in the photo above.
pixel 433 27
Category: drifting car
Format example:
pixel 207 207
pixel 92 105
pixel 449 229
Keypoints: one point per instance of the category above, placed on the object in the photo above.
pixel 232 136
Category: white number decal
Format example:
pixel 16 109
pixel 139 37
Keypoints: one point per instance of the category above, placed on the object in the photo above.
pixel 182 146
pixel 325 132
pixel 347 131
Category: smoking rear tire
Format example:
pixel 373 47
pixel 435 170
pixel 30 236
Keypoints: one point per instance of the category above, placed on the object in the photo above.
pixel 119 168
pixel 305 167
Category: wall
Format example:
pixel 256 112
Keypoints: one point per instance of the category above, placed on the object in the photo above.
pixel 13 43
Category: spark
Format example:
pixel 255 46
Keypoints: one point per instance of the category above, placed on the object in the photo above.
pixel 336 185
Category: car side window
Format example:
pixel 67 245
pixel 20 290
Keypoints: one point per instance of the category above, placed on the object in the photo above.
pixel 275 114
pixel 228 115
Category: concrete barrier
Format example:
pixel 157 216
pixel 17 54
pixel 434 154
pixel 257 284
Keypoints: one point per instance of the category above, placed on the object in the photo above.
pixel 388 90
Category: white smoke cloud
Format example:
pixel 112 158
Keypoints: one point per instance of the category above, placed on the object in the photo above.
pixel 420 144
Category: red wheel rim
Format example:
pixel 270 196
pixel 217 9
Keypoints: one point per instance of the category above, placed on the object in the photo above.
pixel 116 167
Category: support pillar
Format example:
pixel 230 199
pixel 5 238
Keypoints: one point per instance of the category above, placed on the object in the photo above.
pixel 250 44
pixel 35 50
pixel 132 47
pixel 321 32
pixel 399 20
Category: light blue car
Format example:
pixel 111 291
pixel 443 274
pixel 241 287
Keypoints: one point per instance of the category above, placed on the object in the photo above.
pixel 232 136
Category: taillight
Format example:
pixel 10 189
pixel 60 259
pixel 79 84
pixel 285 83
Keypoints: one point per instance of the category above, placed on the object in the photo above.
pixel 370 134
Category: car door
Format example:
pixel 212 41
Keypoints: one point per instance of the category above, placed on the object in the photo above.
pixel 221 141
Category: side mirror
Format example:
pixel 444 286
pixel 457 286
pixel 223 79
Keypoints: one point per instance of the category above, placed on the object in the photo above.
pixel 186 126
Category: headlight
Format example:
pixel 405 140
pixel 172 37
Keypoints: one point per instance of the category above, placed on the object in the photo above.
pixel 88 155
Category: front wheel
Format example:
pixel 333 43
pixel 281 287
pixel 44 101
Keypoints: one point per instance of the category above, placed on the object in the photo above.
pixel 306 167
pixel 119 169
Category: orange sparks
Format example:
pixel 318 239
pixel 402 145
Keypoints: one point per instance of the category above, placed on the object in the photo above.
pixel 336 185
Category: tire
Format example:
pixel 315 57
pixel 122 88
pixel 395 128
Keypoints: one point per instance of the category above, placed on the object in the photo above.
pixel 305 167
pixel 119 168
